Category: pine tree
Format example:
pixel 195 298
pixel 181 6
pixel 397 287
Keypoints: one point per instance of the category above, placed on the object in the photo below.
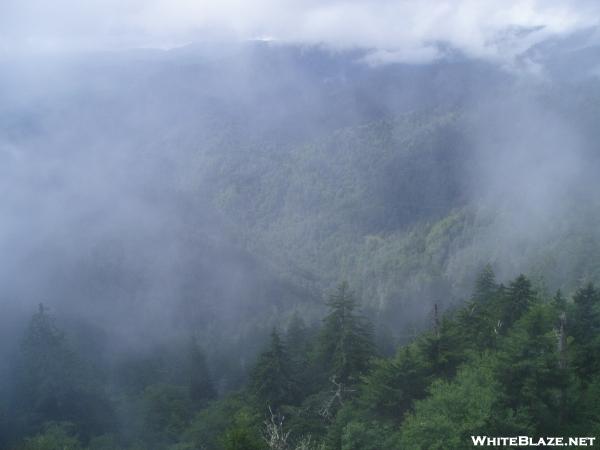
pixel 54 384
pixel 442 351
pixel 298 340
pixel 586 330
pixel 559 302
pixel 389 390
pixel 346 340
pixel 530 370
pixel 519 296
pixel 201 385
pixel 485 285
pixel 454 410
pixel 478 319
pixel 272 380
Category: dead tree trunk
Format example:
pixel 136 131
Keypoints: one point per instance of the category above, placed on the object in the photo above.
pixel 562 341
pixel 436 321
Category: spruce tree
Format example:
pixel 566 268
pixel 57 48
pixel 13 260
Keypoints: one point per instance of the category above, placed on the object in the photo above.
pixel 485 285
pixel 529 368
pixel 478 319
pixel 272 380
pixel 519 296
pixel 299 345
pixel 201 386
pixel 54 384
pixel 346 340
pixel 585 330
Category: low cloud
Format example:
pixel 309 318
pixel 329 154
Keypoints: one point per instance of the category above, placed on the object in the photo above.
pixel 397 31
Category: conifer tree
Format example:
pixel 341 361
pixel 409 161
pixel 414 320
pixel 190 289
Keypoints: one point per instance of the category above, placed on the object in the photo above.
pixel 530 371
pixel 389 390
pixel 559 301
pixel 54 384
pixel 478 319
pixel 272 380
pixel 298 341
pixel 346 340
pixel 200 382
pixel 586 330
pixel 485 285
pixel 518 297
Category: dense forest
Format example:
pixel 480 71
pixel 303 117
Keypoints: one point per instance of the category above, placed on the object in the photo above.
pixel 216 242
pixel 510 361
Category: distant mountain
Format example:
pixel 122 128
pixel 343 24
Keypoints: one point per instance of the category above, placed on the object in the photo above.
pixel 261 174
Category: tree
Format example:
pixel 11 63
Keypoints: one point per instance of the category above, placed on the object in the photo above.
pixel 201 386
pixel 443 350
pixel 346 341
pixel 518 298
pixel 530 370
pixel 166 412
pixel 272 381
pixel 54 384
pixel 485 285
pixel 389 390
pixel 454 410
pixel 478 319
pixel 55 436
pixel 586 330
pixel 243 433
pixel 559 302
pixel 298 341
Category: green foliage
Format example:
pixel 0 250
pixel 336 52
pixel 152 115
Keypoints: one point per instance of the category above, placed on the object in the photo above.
pixel 586 329
pixel 299 340
pixel 243 434
pixel 454 410
pixel 166 412
pixel 509 362
pixel 369 436
pixel 345 344
pixel 55 384
pixel 516 300
pixel 104 442
pixel 585 417
pixel 56 436
pixel 528 368
pixel 201 385
pixel 272 380
pixel 389 390
pixel 210 425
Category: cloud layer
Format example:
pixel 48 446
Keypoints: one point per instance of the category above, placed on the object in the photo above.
pixel 398 30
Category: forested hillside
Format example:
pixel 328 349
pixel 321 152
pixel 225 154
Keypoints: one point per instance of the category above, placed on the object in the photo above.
pixel 271 246
pixel 511 361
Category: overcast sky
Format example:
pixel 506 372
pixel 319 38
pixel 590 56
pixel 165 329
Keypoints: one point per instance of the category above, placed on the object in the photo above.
pixel 405 30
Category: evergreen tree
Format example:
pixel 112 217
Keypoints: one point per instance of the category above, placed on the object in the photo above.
pixel 478 319
pixel 389 390
pixel 201 385
pixel 272 380
pixel 442 352
pixel 54 384
pixel 55 436
pixel 517 299
pixel 298 341
pixel 165 411
pixel 559 302
pixel 346 340
pixel 586 330
pixel 529 369
pixel 454 411
pixel 485 285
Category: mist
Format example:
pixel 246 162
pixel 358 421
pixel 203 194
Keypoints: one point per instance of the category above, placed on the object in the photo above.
pixel 177 170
